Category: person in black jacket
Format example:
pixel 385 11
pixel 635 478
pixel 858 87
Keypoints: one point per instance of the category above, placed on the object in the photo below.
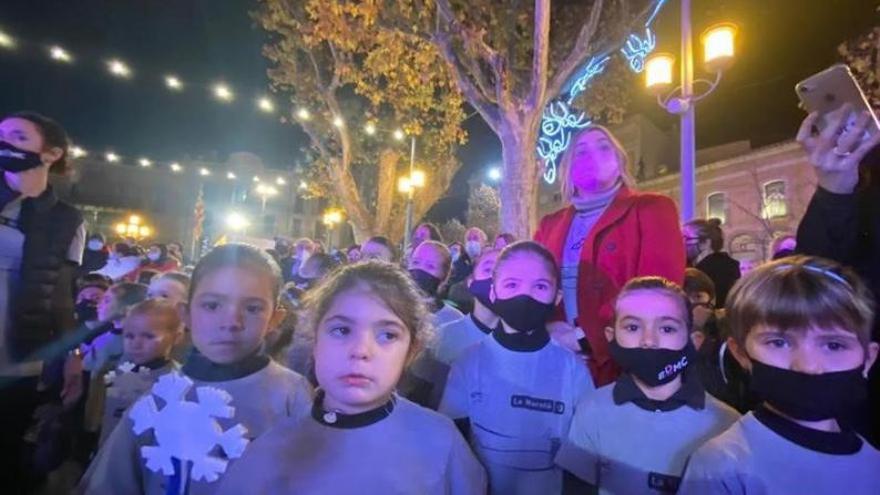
pixel 41 244
pixel 704 241
pixel 842 221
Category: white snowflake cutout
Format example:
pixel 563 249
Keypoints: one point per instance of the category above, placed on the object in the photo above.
pixel 187 430
pixel 125 383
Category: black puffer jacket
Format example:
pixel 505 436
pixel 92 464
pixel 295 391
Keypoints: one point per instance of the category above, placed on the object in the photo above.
pixel 42 302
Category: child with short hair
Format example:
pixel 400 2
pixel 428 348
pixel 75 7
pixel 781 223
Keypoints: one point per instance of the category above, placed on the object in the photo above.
pixel 369 322
pixel 170 286
pixel 658 397
pixel 456 336
pixel 102 354
pixel 801 327
pixel 173 287
pixel 430 266
pixel 148 334
pixel 514 394
pixel 232 304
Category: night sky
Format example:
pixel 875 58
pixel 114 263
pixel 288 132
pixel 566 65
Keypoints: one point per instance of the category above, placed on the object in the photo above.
pixel 205 41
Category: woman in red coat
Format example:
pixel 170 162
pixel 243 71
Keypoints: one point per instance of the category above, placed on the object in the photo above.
pixel 607 235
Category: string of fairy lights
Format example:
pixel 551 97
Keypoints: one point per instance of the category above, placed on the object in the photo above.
pixel 174 83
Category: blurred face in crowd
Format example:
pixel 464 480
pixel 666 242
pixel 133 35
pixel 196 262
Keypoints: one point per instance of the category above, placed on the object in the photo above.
pixel 91 294
pixel 107 307
pixel 230 313
pixel 428 258
pixel 361 349
pixel 595 163
pixel 168 289
pixel 484 268
pixel 354 255
pixel 147 337
pixel 693 243
pixel 649 319
pixel 25 135
pixel 421 234
pixel 374 250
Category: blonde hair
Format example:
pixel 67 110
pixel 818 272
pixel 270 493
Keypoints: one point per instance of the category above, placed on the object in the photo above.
pixel 382 280
pixel 157 308
pixel 565 162
pixel 799 292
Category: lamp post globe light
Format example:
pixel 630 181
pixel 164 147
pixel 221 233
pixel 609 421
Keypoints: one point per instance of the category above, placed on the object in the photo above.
pixel 718 51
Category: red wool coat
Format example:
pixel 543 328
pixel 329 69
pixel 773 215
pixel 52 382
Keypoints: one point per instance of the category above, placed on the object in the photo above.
pixel 638 234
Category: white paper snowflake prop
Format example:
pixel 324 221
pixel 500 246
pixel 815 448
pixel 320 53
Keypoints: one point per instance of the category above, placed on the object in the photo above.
pixel 125 383
pixel 187 430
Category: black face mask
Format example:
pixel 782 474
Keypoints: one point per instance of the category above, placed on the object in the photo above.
pixel 480 290
pixel 654 367
pixel 86 311
pixel 428 283
pixel 808 397
pixel 524 313
pixel 17 160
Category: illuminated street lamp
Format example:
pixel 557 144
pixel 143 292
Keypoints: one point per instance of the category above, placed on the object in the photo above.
pixel 6 41
pixel 332 217
pixel 59 54
pixel 265 192
pixel 77 152
pixel 265 104
pixel 111 157
pixel 237 222
pixel 134 227
pixel 223 92
pixel 118 68
pixel 718 50
pixel 173 83
pixel 494 174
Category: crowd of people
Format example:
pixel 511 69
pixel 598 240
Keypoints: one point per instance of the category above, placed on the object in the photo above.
pixel 617 351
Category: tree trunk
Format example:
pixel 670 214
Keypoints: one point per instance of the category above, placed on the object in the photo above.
pixel 385 190
pixel 349 197
pixel 518 189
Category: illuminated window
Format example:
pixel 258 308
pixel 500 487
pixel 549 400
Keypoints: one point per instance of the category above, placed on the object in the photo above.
pixel 774 200
pixel 716 206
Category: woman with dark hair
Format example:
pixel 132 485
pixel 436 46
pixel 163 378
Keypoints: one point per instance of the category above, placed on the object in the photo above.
pixel 704 241
pixel 41 245
pixel 606 235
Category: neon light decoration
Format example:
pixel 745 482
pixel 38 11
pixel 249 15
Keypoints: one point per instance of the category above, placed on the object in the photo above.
pixel 560 121
pixel 637 49
pixel 556 129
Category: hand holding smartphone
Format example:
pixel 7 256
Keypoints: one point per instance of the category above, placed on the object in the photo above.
pixel 840 129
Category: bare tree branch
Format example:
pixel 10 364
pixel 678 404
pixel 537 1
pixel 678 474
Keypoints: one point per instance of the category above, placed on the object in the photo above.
pixel 579 52
pixel 540 55
pixel 473 95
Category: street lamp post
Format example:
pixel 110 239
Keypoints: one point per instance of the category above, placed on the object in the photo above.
pixel 265 193
pixel 332 217
pixel 407 234
pixel 718 47
pixel 408 185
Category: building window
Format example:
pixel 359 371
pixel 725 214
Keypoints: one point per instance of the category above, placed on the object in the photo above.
pixel 716 206
pixel 774 200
